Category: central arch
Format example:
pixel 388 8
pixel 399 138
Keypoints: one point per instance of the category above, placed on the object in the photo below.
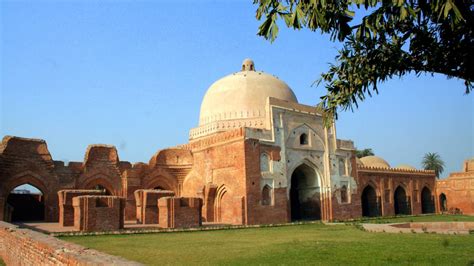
pixel 400 202
pixel 369 202
pixel 25 203
pixel 305 196
pixel 427 204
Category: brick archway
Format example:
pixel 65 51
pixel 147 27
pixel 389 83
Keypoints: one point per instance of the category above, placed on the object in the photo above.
pixel 305 194
pixel 427 201
pixel 401 202
pixel 28 207
pixel 370 205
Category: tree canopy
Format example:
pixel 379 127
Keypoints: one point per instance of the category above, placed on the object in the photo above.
pixel 432 161
pixel 393 38
pixel 364 152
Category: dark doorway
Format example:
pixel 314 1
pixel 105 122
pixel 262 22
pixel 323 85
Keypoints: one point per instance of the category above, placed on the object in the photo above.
pixel 370 206
pixel 26 203
pixel 305 194
pixel 401 202
pixel 427 202
pixel 443 202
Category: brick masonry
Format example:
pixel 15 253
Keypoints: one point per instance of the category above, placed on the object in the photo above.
pixel 66 210
pixel 222 169
pixel 20 246
pixel 179 212
pixel 98 213
pixel 147 204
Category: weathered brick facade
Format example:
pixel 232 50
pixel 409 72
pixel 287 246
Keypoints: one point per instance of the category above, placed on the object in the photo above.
pixel 456 193
pixel 147 204
pixel 66 210
pixel 179 212
pixel 98 213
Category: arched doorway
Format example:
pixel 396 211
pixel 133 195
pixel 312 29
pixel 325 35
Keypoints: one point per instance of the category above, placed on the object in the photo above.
pixel 427 203
pixel 305 196
pixel 370 207
pixel 25 203
pixel 401 203
pixel 443 202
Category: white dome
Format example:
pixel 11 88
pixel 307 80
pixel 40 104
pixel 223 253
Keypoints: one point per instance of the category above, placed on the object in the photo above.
pixel 242 95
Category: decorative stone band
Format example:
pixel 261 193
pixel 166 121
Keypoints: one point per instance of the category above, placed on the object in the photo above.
pixel 225 125
pixel 226 136
pixel 361 168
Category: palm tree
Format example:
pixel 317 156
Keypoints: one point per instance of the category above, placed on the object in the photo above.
pixel 364 152
pixel 432 161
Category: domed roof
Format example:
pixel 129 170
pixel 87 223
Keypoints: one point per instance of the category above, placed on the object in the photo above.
pixel 374 161
pixel 406 167
pixel 242 95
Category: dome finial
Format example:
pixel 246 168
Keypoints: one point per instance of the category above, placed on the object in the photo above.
pixel 248 65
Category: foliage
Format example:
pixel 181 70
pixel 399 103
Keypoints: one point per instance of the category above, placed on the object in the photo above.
pixel 393 38
pixel 290 245
pixel 432 161
pixel 364 152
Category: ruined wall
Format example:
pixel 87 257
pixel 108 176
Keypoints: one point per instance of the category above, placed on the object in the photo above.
pixel 98 213
pixel 458 189
pixel 179 212
pixel 27 247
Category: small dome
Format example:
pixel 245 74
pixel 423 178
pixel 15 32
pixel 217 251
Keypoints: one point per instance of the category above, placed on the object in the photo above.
pixel 374 161
pixel 405 167
pixel 242 95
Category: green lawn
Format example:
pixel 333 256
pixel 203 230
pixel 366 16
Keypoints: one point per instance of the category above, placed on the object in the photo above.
pixel 301 244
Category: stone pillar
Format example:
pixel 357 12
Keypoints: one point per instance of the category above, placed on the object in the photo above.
pixel 98 213
pixel 66 210
pixel 147 204
pixel 178 212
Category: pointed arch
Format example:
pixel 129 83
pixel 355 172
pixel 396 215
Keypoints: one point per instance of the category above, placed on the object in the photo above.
pixel 223 208
pixel 401 201
pixel 370 204
pixel 305 193
pixel 427 201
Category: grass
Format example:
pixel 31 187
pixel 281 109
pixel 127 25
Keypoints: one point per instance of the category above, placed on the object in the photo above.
pixel 301 244
pixel 1 262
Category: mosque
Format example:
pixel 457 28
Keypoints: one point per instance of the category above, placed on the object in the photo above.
pixel 257 156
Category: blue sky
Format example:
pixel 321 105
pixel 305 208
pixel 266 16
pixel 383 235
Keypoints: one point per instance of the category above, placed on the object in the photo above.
pixel 133 74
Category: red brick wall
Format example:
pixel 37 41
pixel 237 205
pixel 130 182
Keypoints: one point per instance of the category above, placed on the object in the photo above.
pixel 459 192
pixel 98 213
pixel 147 204
pixel 27 247
pixel 66 210
pixel 179 212
pixel 385 181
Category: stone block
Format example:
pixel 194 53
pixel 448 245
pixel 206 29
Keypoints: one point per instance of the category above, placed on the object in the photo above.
pixel 66 210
